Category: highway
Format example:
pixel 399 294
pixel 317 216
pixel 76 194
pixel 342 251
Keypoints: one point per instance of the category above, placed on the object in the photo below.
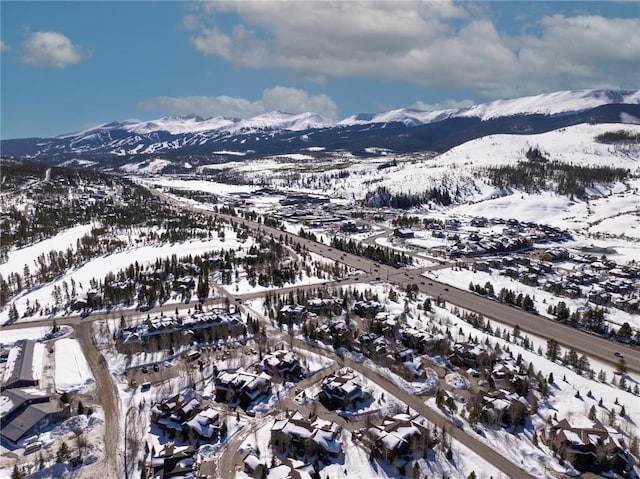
pixel 593 346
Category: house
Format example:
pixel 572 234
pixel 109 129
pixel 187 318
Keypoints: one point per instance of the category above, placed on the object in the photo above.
pixel 585 447
pixel 292 313
pixel 371 345
pixel 342 390
pixel 26 411
pixel 325 306
pixel 367 308
pixel 205 425
pixel 399 436
pixel 187 416
pixel 423 342
pixel 24 365
pixel 556 254
pixel 384 324
pixel 403 233
pixel 282 364
pixel 298 436
pixel 504 407
pixel 253 466
pixel 171 461
pixel 472 355
pixel 241 387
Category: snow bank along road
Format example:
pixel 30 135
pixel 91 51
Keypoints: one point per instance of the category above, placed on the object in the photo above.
pixel 591 345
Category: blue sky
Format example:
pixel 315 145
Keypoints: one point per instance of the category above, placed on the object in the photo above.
pixel 70 65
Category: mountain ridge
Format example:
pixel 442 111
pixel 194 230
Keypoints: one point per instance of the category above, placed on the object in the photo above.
pixel 115 143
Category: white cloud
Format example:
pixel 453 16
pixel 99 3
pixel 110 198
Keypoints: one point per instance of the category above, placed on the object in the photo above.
pixel 51 49
pixel 434 44
pixel 290 100
pixel 3 46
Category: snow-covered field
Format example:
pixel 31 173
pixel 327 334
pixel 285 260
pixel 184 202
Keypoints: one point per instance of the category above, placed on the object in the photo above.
pixel 17 258
pixel 72 372
pixel 99 267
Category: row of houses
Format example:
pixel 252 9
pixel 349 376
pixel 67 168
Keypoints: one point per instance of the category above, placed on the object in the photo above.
pixel 213 324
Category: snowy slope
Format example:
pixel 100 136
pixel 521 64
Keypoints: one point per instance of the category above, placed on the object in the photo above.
pixel 574 144
pixel 545 104
pixel 551 103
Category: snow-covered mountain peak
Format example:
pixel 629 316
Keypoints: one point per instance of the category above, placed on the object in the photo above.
pixel 551 103
pixel 285 121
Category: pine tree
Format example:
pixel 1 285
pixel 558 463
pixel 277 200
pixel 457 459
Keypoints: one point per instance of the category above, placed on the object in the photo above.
pixel 63 453
pixel 17 473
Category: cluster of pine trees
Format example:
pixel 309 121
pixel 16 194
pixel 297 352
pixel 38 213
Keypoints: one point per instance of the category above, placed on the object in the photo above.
pixel 538 174
pixel 383 198
pixel 376 253
pixel 618 136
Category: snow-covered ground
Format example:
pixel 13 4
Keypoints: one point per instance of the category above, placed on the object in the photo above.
pixel 99 267
pixel 17 258
pixel 72 373
pixel 10 336
pixel 460 278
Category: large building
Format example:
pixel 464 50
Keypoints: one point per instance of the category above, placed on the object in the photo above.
pixel 26 411
pixel 24 365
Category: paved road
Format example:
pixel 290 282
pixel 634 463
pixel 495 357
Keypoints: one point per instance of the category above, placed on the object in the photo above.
pixel 593 346
pixel 417 404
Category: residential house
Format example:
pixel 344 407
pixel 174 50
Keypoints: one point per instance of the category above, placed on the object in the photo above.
pixel 298 436
pixel 586 447
pixel 400 436
pixel 242 387
pixel 342 390
pixel 282 364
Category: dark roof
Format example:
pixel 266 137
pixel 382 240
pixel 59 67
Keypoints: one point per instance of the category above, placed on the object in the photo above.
pixel 30 418
pixel 12 399
pixel 22 368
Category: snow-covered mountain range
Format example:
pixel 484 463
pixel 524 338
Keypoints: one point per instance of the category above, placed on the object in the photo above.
pixel 403 130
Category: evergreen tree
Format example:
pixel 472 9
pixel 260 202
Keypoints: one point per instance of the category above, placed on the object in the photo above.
pixel 18 473
pixel 63 453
